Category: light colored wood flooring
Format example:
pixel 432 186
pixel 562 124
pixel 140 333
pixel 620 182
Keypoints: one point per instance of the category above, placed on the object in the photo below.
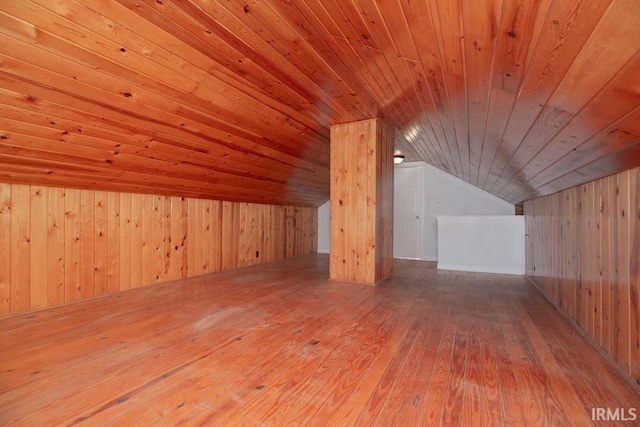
pixel 278 344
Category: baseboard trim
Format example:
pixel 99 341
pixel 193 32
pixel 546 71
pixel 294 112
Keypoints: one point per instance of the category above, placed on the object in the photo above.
pixel 480 269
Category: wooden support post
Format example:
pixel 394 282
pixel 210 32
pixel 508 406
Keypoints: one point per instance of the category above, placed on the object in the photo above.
pixel 361 202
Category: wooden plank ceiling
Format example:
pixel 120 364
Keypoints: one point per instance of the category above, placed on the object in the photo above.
pixel 233 100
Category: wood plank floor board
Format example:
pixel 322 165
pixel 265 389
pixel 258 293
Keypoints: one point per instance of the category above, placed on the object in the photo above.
pixel 410 394
pixel 220 373
pixel 565 345
pixel 137 365
pixel 541 402
pixel 479 406
pixel 335 352
pixel 570 406
pixel 372 411
pixel 410 382
pixel 265 359
pixel 334 388
pixel 389 344
pixel 140 355
pixel 273 380
pixel 437 387
pixel 321 356
pixel 278 344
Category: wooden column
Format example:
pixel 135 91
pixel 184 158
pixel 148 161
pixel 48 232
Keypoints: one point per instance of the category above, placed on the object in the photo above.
pixel 361 202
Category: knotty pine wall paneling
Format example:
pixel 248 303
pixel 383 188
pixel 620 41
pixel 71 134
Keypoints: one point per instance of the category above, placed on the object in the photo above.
pixel 19 249
pixel 361 201
pixel 583 251
pixel 59 245
pixel 384 202
pixel 102 245
pixel 38 268
pixel 55 246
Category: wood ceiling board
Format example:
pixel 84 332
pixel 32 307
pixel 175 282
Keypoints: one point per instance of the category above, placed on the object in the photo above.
pixel 273 49
pixel 481 21
pixel 226 110
pixel 518 32
pixel 608 165
pixel 621 135
pixel 566 28
pixel 504 95
pixel 237 144
pixel 159 147
pixel 596 117
pixel 579 114
pixel 431 86
pixel 446 21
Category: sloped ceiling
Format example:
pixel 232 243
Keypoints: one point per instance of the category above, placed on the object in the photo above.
pixel 233 100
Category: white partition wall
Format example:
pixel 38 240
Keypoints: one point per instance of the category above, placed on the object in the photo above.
pixel 487 244
pixel 324 228
pixel 438 194
pixel 446 195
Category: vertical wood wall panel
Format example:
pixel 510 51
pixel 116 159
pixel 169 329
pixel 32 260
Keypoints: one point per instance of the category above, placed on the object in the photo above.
pixel 166 239
pixel 113 242
pixel 613 261
pixel 55 246
pixel 215 234
pixel 136 240
pixel 101 243
pixel 38 293
pixel 72 245
pixel 623 286
pixel 229 241
pixel 195 255
pixel 206 242
pixel 87 244
pixel 176 241
pixel 596 308
pixel 5 249
pixel 595 277
pixel 634 270
pixel 20 252
pixel 125 240
pixel 147 218
pixel 62 245
pixel 157 236
pixel 183 261
pixel 607 270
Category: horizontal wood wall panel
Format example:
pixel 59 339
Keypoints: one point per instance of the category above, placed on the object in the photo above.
pixel 59 245
pixel 583 251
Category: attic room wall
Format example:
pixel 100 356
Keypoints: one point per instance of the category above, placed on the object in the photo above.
pixel 583 252
pixel 59 245
pixel 444 194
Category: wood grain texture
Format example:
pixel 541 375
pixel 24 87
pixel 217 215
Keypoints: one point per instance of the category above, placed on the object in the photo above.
pixel 225 100
pixel 425 347
pixel 5 249
pixel 361 201
pixel 62 245
pixel 594 278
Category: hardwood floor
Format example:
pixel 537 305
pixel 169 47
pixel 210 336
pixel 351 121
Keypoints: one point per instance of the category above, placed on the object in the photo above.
pixel 278 344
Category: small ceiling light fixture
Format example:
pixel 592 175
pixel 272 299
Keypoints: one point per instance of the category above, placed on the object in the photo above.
pixel 398 158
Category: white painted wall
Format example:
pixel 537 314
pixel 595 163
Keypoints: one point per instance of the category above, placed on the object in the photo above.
pixel 486 244
pixel 447 195
pixel 408 211
pixel 324 230
pixel 444 194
